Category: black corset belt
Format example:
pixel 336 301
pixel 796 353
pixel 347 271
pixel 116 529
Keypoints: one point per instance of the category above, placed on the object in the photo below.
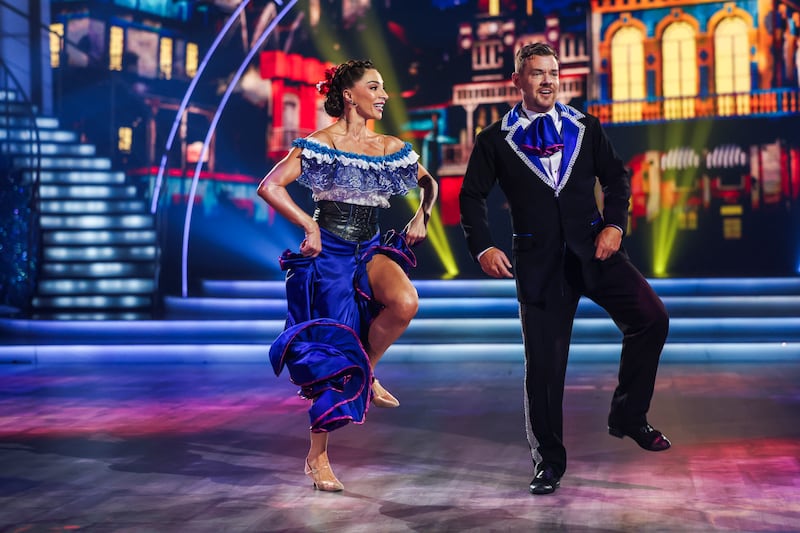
pixel 351 222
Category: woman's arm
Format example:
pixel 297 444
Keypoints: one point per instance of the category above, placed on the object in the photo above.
pixel 417 228
pixel 272 190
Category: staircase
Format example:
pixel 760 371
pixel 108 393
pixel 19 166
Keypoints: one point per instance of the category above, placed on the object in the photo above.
pixel 99 243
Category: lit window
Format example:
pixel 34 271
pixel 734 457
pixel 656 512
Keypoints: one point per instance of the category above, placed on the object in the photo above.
pixel 125 139
pixel 732 67
pixel 165 58
pixel 116 42
pixel 56 38
pixel 627 74
pixel 314 12
pixel 192 54
pixel 678 49
pixel 731 228
pixel 494 8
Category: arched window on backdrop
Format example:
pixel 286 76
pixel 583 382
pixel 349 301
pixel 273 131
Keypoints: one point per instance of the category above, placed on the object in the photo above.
pixel 679 81
pixel 627 74
pixel 732 67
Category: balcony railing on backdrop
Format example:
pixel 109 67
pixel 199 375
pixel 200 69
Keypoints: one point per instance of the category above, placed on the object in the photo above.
pixel 762 103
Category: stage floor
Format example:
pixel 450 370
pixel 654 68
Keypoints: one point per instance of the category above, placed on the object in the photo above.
pixel 209 448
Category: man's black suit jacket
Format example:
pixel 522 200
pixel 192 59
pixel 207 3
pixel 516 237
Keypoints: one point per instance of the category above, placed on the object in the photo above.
pixel 547 218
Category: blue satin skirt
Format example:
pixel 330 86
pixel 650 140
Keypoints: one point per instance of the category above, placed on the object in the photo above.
pixel 330 308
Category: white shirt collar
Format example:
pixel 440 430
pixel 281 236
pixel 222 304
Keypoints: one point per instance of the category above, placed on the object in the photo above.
pixel 529 115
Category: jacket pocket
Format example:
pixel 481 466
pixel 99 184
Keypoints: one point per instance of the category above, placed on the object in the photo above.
pixel 522 242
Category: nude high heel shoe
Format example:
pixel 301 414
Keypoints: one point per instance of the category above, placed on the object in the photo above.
pixel 381 397
pixel 323 478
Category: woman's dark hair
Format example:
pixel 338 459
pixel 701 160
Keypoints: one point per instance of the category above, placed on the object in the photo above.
pixel 337 80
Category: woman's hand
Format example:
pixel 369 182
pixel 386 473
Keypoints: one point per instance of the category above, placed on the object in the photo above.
pixel 312 244
pixel 416 230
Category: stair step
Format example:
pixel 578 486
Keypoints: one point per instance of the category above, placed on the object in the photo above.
pixel 91 206
pixel 96 269
pixel 27 121
pixel 682 306
pixel 603 330
pixel 15 148
pixel 469 307
pixel 105 237
pixel 46 135
pixel 99 253
pixel 10 95
pixel 101 222
pixel 93 316
pixel 73 286
pixel 83 178
pixel 485 288
pixel 204 353
pixel 67 163
pixel 14 108
pixel 421 331
pixel 93 192
pixel 94 302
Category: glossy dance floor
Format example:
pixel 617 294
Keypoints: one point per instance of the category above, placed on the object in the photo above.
pixel 207 448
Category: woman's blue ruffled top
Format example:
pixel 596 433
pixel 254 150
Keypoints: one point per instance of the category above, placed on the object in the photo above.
pixel 339 176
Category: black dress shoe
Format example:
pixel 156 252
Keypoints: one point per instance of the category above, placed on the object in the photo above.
pixel 546 481
pixel 645 436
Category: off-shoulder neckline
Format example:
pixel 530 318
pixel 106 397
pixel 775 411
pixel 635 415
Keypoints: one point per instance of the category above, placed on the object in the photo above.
pixel 325 149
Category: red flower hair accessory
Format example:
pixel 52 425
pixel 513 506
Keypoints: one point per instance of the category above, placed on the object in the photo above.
pixel 324 86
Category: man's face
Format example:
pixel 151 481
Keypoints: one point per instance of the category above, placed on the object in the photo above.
pixel 538 82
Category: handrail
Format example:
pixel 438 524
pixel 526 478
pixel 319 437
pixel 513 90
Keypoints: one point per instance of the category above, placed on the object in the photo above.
pixel 9 82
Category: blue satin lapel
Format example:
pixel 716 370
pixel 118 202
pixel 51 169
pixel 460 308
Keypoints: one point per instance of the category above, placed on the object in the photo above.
pixel 571 135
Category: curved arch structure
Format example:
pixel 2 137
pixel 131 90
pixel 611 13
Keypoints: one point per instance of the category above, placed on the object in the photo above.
pixel 284 10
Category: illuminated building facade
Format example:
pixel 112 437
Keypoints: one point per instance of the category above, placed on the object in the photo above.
pixel 701 97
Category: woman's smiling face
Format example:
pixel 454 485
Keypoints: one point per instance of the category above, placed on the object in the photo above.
pixel 368 94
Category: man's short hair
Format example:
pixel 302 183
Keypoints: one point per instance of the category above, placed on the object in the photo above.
pixel 532 49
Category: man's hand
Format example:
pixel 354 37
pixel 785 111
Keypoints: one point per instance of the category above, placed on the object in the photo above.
pixel 607 242
pixel 495 263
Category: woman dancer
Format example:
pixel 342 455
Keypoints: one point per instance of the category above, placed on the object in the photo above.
pixel 358 283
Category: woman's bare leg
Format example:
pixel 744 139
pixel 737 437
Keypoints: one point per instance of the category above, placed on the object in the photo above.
pixel 392 288
pixel 318 467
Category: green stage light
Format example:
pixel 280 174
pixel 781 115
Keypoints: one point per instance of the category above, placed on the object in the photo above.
pixel 373 42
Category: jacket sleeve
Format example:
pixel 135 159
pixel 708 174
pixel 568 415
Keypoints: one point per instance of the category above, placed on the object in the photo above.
pixel 479 180
pixel 614 178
